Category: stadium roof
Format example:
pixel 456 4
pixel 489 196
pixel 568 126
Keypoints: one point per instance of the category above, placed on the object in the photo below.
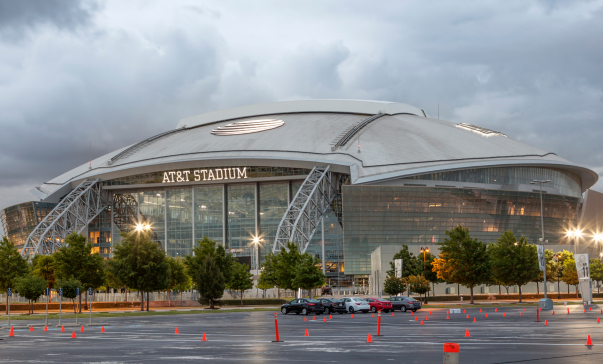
pixel 371 140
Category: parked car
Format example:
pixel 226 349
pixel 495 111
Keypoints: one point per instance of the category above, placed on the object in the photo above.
pixel 333 305
pixel 303 306
pixel 353 304
pixel 404 303
pixel 379 304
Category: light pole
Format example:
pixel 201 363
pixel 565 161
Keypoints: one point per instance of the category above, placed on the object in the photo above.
pixel 545 303
pixel 424 251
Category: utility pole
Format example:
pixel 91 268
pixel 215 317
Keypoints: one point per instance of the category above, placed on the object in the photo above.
pixel 545 303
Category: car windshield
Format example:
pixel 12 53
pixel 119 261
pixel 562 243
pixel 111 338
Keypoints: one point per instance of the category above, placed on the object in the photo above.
pixel 380 299
pixel 313 301
pixel 358 300
pixel 335 300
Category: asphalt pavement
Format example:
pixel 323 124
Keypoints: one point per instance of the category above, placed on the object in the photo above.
pixel 247 337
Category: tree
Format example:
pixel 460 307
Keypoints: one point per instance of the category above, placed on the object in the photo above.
pixel 570 274
pixel 204 248
pixel 267 278
pixel 178 275
pixel 417 283
pixel 393 285
pixel 513 260
pixel 550 269
pixel 31 287
pixel 410 265
pixel 308 274
pixel 112 281
pixel 44 268
pixel 465 260
pixel 210 281
pixel 75 260
pixel 12 266
pixel 596 272
pixel 140 263
pixel 70 287
pixel 286 262
pixel 241 280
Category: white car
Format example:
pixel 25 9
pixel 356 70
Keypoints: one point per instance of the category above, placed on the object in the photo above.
pixel 353 304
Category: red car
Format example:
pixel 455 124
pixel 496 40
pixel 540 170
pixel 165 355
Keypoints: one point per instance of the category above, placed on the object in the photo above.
pixel 379 304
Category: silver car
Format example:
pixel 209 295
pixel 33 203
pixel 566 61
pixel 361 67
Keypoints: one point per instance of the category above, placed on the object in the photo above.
pixel 355 304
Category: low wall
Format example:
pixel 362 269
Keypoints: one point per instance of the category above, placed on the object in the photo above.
pixel 515 296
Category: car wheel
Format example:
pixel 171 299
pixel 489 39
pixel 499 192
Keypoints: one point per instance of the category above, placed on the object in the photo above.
pixel 304 311
pixel 326 311
pixel 403 308
pixel 284 311
pixel 373 309
pixel 351 310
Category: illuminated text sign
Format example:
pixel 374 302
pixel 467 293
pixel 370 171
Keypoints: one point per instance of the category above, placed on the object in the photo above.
pixel 214 174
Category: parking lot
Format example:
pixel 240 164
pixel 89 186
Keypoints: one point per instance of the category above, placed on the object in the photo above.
pixel 247 337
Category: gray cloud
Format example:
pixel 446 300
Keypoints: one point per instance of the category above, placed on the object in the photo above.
pixel 116 72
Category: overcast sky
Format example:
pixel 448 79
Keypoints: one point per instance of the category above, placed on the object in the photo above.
pixel 115 72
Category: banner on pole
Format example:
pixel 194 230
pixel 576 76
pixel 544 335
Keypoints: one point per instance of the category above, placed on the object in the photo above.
pixel 541 260
pixel 398 265
pixel 583 268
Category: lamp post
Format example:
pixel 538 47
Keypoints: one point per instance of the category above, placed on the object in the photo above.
pixel 424 251
pixel 545 303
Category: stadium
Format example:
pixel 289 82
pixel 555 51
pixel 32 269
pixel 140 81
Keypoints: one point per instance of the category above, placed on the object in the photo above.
pixel 339 178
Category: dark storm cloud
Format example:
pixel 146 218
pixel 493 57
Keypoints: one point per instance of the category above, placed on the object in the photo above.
pixel 115 72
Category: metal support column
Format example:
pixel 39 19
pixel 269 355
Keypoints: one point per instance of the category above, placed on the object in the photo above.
pixel 323 245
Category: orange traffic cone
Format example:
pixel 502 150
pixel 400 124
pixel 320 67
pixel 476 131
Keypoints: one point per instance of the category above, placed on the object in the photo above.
pixel 102 329
pixel 467 333
pixel 412 313
pixel 82 329
pixel 447 318
pixel 602 310
pixel 62 328
pixel 369 339
pixel 373 314
pixel 177 332
pixel 585 310
pixel 11 332
pixel 486 315
pixel 590 309
pixel 496 309
pixel 307 333
pixel 313 318
pixel 416 318
pixel 330 318
pixel 392 313
pixel 553 312
pixel 73 335
pixel 447 312
pixel 568 310
pixel 546 323
pixel 204 337
pixel 464 311
pixel 30 327
pixel 474 320
pixel 421 322
pixel 524 308
pixel 324 319
pixel 467 315
pixel 588 341
pixel 504 314
pixel 480 310
pixel 597 322
pixel 430 312
pixel 45 328
pixel 520 313
pixel 305 318
pixel 352 316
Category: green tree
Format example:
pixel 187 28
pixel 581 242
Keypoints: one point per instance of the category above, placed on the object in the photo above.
pixel 570 274
pixel 513 260
pixel 70 287
pixel 75 260
pixel 596 272
pixel 308 274
pixel 393 285
pixel 210 282
pixel 464 260
pixel 241 280
pixel 44 267
pixel 12 266
pixel 550 269
pixel 141 264
pixel 417 283
pixel 31 287
pixel 267 278
pixel 178 275
pixel 410 263
pixel 205 248
pixel 287 261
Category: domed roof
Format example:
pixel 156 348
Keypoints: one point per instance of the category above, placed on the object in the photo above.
pixel 371 140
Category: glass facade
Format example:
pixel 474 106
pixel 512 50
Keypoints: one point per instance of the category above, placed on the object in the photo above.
pixel 382 215
pixel 179 222
pixel 209 213
pixel 151 207
pixel 241 216
pixel 99 234
pixel 565 182
pixel 273 204
pixel 18 221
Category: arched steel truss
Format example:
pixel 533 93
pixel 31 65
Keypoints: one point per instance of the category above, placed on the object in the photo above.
pixel 300 221
pixel 73 213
